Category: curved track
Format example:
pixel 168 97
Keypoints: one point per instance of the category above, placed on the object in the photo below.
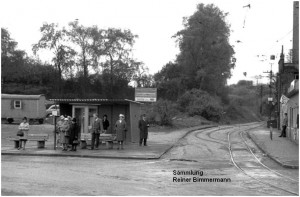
pixel 242 155
pixel 239 145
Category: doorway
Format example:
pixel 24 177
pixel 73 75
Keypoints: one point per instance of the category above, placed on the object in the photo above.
pixel 84 116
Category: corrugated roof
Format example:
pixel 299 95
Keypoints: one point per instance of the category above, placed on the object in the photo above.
pixel 93 101
pixel 19 96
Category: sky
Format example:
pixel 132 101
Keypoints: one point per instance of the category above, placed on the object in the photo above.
pixel 261 29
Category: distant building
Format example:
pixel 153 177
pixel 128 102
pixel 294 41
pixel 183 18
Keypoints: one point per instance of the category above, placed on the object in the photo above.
pixel 14 107
pixel 288 85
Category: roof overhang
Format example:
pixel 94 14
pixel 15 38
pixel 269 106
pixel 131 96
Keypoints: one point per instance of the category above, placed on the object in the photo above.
pixel 19 96
pixel 94 101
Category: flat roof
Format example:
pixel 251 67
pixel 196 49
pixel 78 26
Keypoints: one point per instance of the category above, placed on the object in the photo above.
pixel 94 101
pixel 20 96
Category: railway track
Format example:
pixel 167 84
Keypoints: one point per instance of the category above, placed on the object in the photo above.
pixel 241 153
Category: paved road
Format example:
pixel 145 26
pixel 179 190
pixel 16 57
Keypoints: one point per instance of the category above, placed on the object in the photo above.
pixel 203 152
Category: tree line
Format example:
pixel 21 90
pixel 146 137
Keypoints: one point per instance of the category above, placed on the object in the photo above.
pixel 87 62
pixel 90 62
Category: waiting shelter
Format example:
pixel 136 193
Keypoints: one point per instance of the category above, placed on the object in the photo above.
pixel 83 110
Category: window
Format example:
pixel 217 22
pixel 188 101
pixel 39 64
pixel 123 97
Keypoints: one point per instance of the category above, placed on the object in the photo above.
pixel 17 104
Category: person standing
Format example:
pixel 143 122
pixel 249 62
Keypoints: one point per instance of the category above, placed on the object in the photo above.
pixel 284 125
pixel 97 128
pixel 105 123
pixel 58 130
pixel 23 133
pixel 120 129
pixel 74 130
pixel 143 126
pixel 64 135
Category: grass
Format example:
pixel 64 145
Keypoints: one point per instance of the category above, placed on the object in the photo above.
pixel 179 122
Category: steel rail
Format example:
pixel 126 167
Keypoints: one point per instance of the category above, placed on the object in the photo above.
pixel 241 134
pixel 238 167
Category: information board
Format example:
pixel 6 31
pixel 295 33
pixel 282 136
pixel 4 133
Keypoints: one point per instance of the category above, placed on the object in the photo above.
pixel 145 94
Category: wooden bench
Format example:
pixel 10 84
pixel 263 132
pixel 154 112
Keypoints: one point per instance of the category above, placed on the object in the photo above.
pixel 39 138
pixel 108 138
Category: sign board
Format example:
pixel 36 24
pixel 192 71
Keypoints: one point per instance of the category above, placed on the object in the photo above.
pixel 272 57
pixel 145 94
pixel 284 99
pixel 54 113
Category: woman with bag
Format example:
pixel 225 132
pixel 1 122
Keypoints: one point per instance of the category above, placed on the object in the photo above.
pixel 23 133
pixel 58 130
pixel 64 135
pixel 74 130
pixel 120 129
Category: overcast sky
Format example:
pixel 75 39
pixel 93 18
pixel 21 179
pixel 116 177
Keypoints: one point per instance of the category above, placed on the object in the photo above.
pixel 262 29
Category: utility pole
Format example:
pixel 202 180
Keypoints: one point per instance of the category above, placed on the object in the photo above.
pixel 270 99
pixel 259 100
pixel 280 71
pixel 261 96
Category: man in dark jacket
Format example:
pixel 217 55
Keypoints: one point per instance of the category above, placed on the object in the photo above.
pixel 74 130
pixel 105 123
pixel 284 125
pixel 143 126
pixel 97 128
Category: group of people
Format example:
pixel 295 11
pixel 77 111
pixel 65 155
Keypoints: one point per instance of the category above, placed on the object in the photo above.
pixel 101 126
pixel 67 131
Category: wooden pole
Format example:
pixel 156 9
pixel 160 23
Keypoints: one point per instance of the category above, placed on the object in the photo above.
pixel 54 132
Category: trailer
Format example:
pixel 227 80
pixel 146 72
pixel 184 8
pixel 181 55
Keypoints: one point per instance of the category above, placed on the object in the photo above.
pixel 15 107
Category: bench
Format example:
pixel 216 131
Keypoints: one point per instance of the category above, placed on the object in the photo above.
pixel 108 138
pixel 39 138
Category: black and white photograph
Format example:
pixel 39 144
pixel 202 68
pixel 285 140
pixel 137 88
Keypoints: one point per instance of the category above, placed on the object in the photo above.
pixel 149 97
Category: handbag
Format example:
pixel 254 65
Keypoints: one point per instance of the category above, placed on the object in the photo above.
pixel 20 133
pixel 75 142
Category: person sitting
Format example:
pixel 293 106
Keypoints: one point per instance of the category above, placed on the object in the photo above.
pixel 23 133
pixel 105 123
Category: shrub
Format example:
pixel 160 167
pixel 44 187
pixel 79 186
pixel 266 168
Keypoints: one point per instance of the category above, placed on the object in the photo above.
pixel 165 110
pixel 198 102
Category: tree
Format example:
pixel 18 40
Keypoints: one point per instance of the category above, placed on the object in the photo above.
pixel 170 82
pixel 8 45
pixel 118 46
pixel 54 40
pixel 205 53
pixel 141 76
pixel 12 60
pixel 81 36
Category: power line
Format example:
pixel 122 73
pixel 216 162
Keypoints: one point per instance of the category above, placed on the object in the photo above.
pixel 281 38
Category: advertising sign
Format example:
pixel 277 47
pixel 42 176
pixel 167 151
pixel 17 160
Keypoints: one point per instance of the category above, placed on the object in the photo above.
pixel 145 94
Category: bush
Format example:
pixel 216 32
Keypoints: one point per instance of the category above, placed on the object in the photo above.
pixel 198 102
pixel 165 109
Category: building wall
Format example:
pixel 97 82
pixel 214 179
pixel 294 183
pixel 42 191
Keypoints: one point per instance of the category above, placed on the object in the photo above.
pixel 65 109
pixel 108 110
pixel 31 108
pixel 113 112
pixel 296 34
pixel 135 116
pixel 293 118
pixel 130 110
